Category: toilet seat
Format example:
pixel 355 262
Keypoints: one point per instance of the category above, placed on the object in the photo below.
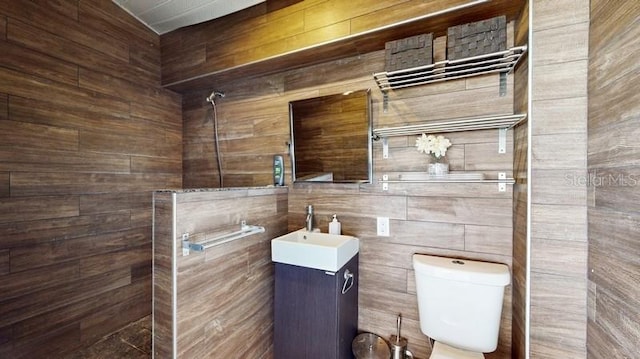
pixel 443 351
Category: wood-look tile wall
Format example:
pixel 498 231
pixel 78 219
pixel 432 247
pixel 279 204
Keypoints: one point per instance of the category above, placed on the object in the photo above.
pixel 465 220
pixel 558 199
pixel 86 133
pixel 223 296
pixel 613 214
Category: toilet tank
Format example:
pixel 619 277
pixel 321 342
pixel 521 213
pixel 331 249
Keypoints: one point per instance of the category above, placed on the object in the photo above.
pixel 460 301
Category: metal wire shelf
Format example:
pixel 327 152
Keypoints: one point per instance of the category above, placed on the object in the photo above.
pixel 497 62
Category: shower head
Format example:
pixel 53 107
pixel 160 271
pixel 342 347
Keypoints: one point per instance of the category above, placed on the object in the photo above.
pixel 215 94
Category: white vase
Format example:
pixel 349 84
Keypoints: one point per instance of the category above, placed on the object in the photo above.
pixel 438 168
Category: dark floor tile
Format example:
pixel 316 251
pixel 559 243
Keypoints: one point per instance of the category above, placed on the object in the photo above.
pixel 131 342
pixel 138 334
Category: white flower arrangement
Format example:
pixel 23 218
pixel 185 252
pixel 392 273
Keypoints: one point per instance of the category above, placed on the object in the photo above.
pixel 435 146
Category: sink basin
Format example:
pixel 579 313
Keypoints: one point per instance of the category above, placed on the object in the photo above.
pixel 315 250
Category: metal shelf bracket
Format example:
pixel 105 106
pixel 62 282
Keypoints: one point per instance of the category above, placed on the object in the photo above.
pixel 502 186
pixel 503 84
pixel 385 101
pixel 502 140
pixel 385 148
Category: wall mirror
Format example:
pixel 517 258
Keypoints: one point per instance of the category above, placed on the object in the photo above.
pixel 331 138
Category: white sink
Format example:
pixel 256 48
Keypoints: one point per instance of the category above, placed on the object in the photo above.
pixel 315 250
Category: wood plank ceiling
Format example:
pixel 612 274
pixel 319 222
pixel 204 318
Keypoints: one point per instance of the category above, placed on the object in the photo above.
pixel 168 15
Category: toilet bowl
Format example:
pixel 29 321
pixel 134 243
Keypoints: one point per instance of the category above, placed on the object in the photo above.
pixel 460 304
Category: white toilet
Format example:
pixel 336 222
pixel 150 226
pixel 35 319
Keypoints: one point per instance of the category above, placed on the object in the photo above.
pixel 460 304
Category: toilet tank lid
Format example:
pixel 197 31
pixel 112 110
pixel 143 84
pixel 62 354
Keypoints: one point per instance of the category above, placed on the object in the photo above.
pixel 462 270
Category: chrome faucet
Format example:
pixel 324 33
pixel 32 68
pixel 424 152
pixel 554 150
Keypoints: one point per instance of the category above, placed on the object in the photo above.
pixel 310 218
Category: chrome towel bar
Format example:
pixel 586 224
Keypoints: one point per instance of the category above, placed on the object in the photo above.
pixel 245 230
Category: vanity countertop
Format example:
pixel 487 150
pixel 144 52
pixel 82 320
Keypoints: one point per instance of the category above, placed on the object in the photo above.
pixel 224 189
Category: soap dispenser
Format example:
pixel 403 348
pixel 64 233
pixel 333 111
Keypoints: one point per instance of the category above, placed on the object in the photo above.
pixel 334 226
pixel 278 170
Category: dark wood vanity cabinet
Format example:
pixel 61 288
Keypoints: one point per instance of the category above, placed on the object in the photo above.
pixel 314 319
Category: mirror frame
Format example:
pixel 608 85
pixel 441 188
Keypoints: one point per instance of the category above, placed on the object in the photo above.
pixel 369 158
